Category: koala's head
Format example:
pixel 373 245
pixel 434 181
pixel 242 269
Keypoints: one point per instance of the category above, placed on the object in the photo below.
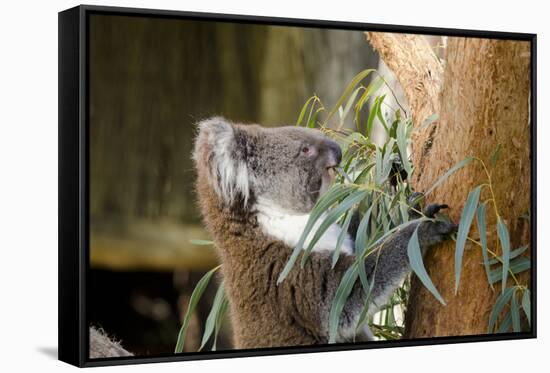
pixel 289 167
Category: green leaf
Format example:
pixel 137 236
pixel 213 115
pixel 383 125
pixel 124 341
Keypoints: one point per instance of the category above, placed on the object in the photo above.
pixel 372 115
pixel 193 302
pixel 360 246
pixel 505 323
pixel 513 254
pixel 379 114
pixel 219 319
pixel 313 119
pixel 403 208
pixel 451 171
pixel 417 265
pixel 514 310
pixel 201 242
pixel 340 298
pixel 501 301
pixel 350 102
pixel 495 155
pixel 387 233
pixel 468 213
pixel 482 227
pixel 332 195
pixel 210 324
pixel 363 173
pixel 526 304
pixel 331 218
pixel 349 89
pixel 304 109
pixel 384 163
pixel 361 238
pixel 504 238
pixel 363 316
pixel 402 143
pixel 341 237
pixel 373 86
pixel 518 265
pixel 346 142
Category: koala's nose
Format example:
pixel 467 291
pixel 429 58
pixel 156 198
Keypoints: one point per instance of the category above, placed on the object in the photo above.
pixel 334 153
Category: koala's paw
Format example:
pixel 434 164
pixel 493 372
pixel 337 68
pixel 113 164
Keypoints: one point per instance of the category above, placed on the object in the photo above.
pixel 433 209
pixel 434 232
pixel 416 199
pixel 431 232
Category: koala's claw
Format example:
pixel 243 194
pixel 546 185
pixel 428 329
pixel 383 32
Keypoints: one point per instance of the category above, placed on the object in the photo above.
pixel 433 209
pixel 415 201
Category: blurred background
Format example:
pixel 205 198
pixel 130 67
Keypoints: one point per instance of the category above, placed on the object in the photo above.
pixel 151 80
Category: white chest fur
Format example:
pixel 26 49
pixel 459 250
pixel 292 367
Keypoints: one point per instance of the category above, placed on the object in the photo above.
pixel 288 228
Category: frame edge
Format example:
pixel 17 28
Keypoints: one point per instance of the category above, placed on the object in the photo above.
pixel 69 215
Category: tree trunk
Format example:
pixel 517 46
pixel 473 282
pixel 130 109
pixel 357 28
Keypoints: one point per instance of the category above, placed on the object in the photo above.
pixel 482 101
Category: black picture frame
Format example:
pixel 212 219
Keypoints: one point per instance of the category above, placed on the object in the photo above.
pixel 74 187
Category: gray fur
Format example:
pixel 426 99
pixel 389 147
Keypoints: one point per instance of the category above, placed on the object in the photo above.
pixel 277 168
pixel 101 345
pixel 296 311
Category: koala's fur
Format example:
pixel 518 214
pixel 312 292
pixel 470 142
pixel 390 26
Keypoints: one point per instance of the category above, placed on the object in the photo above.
pixel 256 187
pixel 101 345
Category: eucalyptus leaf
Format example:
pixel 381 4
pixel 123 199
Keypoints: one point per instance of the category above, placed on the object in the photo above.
pixel 373 86
pixel 372 115
pixel 402 144
pixel 343 234
pixel 517 265
pixel 417 265
pixel 379 114
pixel 363 173
pixel 332 216
pixel 349 89
pixel 466 218
pixel 505 323
pixel 388 233
pixel 350 102
pixel 504 238
pixel 313 119
pixel 501 301
pixel 514 310
pixel 210 324
pixel 340 299
pixel 330 197
pixel 193 302
pixel 513 254
pixel 219 318
pixel 482 228
pixel 304 109
pixel 360 246
pixel 385 163
pixel 451 171
pixel 526 304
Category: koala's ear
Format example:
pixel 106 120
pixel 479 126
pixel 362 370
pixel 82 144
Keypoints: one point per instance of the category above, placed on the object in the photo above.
pixel 216 152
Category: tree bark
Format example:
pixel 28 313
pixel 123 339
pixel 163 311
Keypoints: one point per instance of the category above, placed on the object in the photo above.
pixel 482 97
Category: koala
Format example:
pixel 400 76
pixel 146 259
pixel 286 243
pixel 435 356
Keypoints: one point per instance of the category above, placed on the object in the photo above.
pixel 256 187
